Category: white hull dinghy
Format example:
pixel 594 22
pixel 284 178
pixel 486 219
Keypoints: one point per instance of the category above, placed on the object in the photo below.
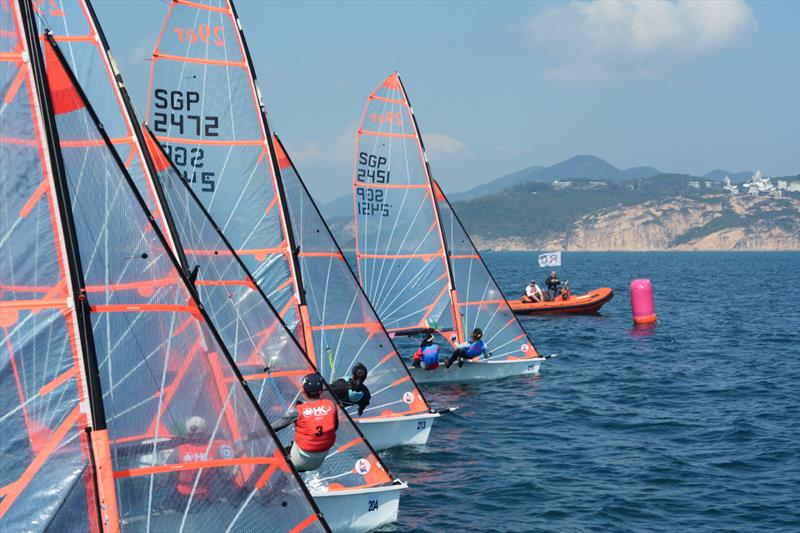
pixel 384 433
pixel 354 510
pixel 477 371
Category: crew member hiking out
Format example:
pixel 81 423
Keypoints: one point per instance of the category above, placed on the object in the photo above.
pixel 316 424
pixel 427 355
pixel 353 391
pixel 474 347
pixel 552 285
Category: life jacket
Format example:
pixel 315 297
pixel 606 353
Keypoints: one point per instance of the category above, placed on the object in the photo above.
pixel 316 426
pixel 196 452
pixel 476 348
pixel 430 356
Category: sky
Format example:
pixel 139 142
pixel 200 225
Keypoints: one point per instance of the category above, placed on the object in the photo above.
pixel 499 86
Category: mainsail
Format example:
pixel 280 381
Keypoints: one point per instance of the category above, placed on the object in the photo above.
pixel 407 231
pixel 265 352
pixel 212 73
pixel 178 442
pixel 402 261
pixel 205 108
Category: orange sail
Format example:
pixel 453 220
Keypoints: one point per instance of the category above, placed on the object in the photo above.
pixel 201 68
pixel 416 261
pixel 265 352
pixel 175 441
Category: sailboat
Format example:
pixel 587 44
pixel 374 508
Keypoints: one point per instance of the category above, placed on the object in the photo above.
pixel 416 262
pixel 121 407
pixel 353 488
pixel 206 109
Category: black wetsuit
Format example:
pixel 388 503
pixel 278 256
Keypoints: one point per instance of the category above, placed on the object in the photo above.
pixel 552 287
pixel 342 388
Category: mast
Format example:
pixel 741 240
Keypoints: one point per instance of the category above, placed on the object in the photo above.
pixel 206 320
pixel 98 433
pixel 305 319
pixel 451 279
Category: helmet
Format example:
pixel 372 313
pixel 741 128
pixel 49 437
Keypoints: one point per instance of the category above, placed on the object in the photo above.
pixel 195 425
pixel 313 384
pixel 477 333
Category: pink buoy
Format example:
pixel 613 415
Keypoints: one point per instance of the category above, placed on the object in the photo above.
pixel 644 311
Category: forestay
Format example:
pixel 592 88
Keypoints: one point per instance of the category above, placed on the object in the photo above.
pixel 345 327
pixel 481 303
pixel 401 257
pixel 159 364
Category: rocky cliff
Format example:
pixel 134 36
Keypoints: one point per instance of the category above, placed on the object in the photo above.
pixel 709 222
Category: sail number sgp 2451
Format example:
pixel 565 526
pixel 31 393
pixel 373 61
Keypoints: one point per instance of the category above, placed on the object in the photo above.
pixel 372 169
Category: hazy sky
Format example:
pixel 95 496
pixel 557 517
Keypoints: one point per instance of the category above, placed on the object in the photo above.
pixel 499 86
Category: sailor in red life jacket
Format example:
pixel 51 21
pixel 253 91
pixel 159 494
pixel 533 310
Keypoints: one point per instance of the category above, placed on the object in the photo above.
pixel 316 425
pixel 199 446
pixel 427 356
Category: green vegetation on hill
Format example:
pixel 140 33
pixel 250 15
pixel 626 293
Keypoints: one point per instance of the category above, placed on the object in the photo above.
pixel 540 210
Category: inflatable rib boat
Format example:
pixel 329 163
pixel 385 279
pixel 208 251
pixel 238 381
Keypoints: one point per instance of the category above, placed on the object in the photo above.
pixel 581 304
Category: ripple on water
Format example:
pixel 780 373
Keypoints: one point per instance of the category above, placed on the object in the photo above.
pixel 693 428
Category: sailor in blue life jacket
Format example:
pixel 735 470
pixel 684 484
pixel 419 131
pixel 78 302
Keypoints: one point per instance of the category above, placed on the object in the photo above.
pixel 427 356
pixel 353 391
pixel 474 347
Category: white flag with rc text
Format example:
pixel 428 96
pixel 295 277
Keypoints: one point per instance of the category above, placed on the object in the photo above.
pixel 552 259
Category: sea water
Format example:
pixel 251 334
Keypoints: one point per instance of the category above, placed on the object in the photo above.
pixel 693 425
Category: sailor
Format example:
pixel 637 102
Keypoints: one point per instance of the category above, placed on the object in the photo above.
pixel 427 355
pixel 316 424
pixel 353 391
pixel 552 285
pixel 533 293
pixel 474 347
pixel 199 446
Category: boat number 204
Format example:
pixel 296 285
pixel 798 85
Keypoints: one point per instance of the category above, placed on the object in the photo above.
pixel 373 505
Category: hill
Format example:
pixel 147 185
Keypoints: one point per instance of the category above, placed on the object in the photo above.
pixel 663 212
pixel 576 167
